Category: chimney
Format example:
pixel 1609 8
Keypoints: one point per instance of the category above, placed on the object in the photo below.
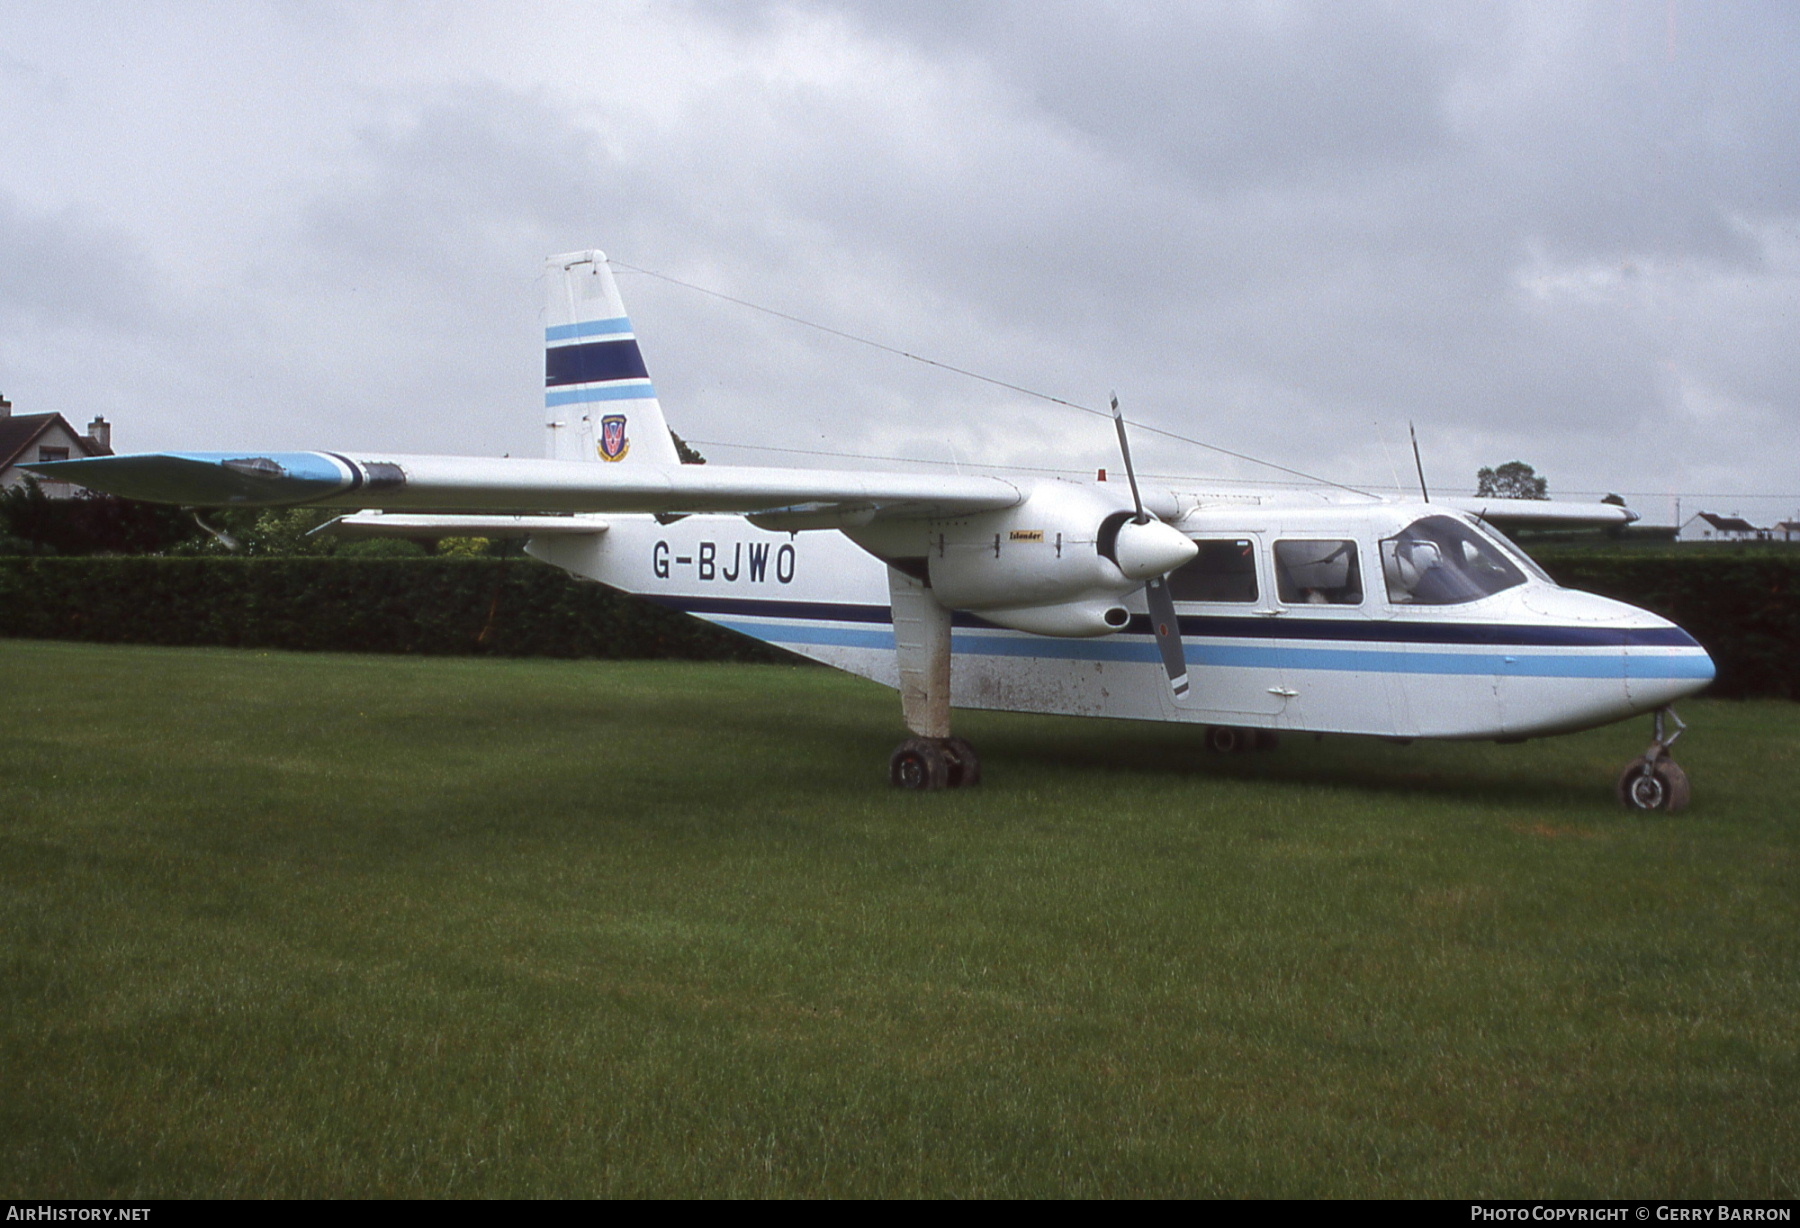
pixel 100 431
pixel 5 408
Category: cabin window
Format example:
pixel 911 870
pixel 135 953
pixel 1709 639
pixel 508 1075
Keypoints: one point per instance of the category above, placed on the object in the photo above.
pixel 1442 561
pixel 1318 573
pixel 1222 571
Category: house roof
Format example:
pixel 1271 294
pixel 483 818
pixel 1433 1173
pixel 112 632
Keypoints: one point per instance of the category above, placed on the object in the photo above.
pixel 1729 524
pixel 19 431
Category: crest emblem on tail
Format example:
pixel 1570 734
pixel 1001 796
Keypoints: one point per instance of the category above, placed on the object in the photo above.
pixel 613 444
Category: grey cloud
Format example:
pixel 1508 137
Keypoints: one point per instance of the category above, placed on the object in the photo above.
pixel 1550 231
pixel 454 174
pixel 62 270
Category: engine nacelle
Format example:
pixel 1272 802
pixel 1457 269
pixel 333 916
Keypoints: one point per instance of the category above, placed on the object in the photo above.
pixel 1057 564
pixel 1073 619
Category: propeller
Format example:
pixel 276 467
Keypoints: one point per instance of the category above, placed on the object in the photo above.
pixel 1156 588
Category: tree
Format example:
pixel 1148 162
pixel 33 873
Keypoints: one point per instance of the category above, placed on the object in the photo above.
pixel 689 454
pixel 31 522
pixel 1513 480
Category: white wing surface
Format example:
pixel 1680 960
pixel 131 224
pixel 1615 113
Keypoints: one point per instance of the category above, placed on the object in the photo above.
pixel 1542 513
pixel 778 498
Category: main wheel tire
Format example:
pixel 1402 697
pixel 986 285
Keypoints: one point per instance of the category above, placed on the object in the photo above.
pixel 1225 739
pixel 965 764
pixel 919 763
pixel 1665 787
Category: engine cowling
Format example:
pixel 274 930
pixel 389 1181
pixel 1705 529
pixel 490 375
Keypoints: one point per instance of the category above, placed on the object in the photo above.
pixel 1070 619
pixel 1060 563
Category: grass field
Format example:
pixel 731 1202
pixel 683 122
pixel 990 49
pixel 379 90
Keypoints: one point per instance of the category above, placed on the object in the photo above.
pixel 341 926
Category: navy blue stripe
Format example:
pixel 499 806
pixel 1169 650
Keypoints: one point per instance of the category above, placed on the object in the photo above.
pixel 812 611
pixel 1202 626
pixel 593 362
pixel 356 477
pixel 1398 631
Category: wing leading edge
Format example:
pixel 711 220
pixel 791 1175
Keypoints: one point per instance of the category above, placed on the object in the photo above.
pixel 1543 513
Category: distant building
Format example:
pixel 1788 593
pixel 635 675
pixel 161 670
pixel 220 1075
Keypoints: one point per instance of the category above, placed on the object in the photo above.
pixel 26 439
pixel 1709 526
pixel 1789 530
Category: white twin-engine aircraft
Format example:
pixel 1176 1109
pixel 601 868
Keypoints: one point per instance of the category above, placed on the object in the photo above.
pixel 1246 614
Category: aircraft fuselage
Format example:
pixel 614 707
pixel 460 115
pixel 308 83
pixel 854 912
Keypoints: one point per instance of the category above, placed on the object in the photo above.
pixel 1531 659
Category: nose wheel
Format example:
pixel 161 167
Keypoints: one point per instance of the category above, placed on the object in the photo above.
pixel 934 763
pixel 1654 781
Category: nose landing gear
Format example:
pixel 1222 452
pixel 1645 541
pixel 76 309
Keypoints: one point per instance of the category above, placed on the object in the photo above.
pixel 1654 781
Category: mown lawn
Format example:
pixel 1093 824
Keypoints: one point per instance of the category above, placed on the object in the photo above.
pixel 346 926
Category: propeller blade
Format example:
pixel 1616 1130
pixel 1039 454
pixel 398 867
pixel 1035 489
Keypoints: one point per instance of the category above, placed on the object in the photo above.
pixel 1125 450
pixel 1168 632
pixel 1156 590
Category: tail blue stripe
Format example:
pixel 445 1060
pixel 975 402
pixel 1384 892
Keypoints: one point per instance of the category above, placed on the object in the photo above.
pixel 587 328
pixel 604 392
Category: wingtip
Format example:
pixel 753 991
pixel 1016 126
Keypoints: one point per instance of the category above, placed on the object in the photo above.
pixel 200 479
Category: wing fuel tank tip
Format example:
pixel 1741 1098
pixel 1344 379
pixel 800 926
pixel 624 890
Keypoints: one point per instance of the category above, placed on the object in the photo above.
pixel 209 479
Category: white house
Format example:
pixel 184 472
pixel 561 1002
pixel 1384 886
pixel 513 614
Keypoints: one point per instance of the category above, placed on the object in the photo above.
pixel 28 438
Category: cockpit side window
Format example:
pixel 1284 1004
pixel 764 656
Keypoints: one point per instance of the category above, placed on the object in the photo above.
pixel 1439 560
pixel 1318 573
pixel 1222 571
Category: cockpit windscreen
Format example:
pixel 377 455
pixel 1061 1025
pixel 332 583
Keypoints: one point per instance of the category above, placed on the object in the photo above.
pixel 1439 560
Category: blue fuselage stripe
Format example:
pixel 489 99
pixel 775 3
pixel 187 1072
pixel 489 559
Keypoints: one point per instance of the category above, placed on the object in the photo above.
pixel 1281 630
pixel 1251 656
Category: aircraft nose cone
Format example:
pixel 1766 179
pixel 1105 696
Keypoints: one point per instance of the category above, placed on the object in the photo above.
pixel 1147 550
pixel 1663 664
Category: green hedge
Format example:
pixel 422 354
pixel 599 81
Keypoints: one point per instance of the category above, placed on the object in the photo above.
pixel 1744 608
pixel 499 607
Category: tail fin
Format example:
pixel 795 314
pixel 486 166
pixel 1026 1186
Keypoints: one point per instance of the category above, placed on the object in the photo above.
pixel 599 404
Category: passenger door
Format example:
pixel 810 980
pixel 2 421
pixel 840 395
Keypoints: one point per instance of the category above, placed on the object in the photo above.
pixel 1222 596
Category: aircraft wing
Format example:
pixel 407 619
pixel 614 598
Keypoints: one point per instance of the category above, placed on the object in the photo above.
pixel 1542 513
pixel 775 498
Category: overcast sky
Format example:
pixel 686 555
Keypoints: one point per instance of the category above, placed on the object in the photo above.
pixel 1562 233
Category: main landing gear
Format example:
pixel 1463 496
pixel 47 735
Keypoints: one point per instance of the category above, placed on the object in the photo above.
pixel 931 758
pixel 1654 781
pixel 1230 740
pixel 934 763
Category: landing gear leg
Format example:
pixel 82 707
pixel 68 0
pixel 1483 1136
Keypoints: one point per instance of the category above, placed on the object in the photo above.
pixel 1654 781
pixel 932 758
